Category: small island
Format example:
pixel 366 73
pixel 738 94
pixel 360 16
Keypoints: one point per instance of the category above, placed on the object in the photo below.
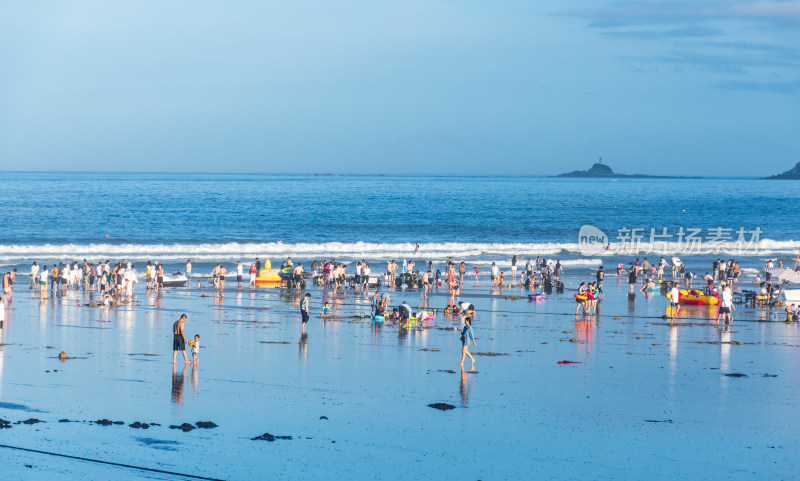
pixel 601 170
pixel 791 174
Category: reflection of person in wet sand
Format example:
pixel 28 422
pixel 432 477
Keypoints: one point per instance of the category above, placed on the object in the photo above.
pixel 194 377
pixel 464 386
pixel 303 344
pixel 466 337
pixel 179 339
pixel 177 385
pixel 2 317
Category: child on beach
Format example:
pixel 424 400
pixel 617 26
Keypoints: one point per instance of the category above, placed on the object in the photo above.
pixel 326 311
pixel 195 348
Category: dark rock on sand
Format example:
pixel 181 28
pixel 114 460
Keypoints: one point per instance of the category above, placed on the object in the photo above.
pixel 269 437
pixel 64 421
pixel 736 374
pixel 441 406
pixel 106 422
pixel 139 425
pixel 324 417
pixel 185 427
pixel 205 424
pixel 5 424
pixel 31 421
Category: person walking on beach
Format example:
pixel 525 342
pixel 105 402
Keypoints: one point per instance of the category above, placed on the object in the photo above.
pixel 188 271
pixel 159 277
pixel 304 310
pixel 495 274
pixel 426 284
pixel 466 337
pixel 34 275
pixel 221 272
pixel 239 273
pixel 43 274
pixel 179 339
pixel 8 282
pixel 632 276
pixel 674 297
pixel 726 304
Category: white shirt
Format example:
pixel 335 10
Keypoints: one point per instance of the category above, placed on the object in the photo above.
pixel 358 269
pixel 2 311
pixel 367 271
pixel 674 295
pixel 727 297
pixel 34 271
pixel 495 270
pixel 43 275
pixel 239 270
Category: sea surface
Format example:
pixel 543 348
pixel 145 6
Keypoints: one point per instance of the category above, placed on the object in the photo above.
pixel 226 217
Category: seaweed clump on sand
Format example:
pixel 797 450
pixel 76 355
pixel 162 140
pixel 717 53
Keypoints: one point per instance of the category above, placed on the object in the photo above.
pixel 185 427
pixel 269 437
pixel 106 422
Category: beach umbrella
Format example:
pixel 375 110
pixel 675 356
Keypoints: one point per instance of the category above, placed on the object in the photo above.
pixel 784 274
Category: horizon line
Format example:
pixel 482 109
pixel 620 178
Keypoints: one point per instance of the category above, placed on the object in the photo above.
pixel 348 174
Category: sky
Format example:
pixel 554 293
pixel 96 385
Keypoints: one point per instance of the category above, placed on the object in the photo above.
pixel 410 87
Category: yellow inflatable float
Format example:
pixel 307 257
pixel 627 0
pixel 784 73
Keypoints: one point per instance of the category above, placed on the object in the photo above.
pixel 695 298
pixel 268 277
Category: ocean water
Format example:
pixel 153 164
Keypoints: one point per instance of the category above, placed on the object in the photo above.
pixel 218 217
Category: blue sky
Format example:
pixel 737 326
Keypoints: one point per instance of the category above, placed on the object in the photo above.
pixel 463 87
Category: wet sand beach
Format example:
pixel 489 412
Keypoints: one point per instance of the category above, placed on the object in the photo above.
pixel 350 400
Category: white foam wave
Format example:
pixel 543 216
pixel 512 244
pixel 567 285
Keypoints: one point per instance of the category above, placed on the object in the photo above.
pixel 499 252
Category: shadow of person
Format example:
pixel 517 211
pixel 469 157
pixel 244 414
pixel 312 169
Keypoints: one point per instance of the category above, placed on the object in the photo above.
pixel 177 384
